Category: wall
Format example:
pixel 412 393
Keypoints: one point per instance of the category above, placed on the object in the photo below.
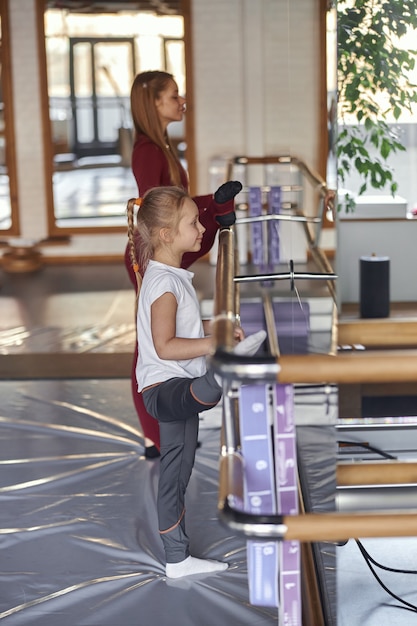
pixel 256 78
pixel 27 118
pixel 392 238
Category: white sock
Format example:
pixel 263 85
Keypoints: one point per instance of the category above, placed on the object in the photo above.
pixel 249 346
pixel 191 565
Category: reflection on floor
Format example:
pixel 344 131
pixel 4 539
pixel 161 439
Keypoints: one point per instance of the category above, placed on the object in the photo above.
pixel 90 191
pixel 94 193
pixel 94 196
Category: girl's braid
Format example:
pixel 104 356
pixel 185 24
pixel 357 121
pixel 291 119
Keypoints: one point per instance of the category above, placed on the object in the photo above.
pixel 131 237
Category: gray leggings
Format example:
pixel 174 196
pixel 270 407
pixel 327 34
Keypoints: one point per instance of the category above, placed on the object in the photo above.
pixel 176 404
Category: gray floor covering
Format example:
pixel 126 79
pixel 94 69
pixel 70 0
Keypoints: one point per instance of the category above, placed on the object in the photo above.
pixel 79 543
pixel 78 534
pixel 78 528
pixel 362 600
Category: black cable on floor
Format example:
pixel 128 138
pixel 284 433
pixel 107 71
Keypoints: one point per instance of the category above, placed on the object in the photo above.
pixel 371 561
pixel 367 446
pixel 385 567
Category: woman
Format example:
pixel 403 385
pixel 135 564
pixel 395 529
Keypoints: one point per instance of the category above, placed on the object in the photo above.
pixel 155 103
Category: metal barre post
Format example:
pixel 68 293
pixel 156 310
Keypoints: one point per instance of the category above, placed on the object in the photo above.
pixel 225 296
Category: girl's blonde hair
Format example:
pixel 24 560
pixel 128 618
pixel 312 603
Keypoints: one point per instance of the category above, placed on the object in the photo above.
pixel 160 207
pixel 146 89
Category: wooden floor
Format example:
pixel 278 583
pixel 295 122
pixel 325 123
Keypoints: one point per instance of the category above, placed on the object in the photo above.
pixel 52 317
pixel 87 311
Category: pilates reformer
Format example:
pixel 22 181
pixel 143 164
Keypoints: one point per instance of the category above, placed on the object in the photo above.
pixel 275 368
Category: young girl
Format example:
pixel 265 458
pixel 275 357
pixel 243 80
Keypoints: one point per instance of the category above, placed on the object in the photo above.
pixel 171 368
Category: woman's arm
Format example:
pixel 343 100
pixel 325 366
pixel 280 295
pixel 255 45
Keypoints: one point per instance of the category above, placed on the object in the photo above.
pixel 209 207
pixel 163 327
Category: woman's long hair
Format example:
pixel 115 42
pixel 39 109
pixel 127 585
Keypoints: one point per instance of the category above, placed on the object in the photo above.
pixel 146 89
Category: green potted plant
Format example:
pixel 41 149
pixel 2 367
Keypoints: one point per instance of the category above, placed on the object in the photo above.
pixel 373 88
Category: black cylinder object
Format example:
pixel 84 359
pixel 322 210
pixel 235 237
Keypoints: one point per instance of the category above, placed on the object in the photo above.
pixel 374 286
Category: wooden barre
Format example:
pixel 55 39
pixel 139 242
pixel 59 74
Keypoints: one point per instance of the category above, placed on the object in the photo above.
pixel 384 366
pixel 353 367
pixel 384 333
pixel 331 526
pixel 389 472
pixel 341 526
pixel 312 527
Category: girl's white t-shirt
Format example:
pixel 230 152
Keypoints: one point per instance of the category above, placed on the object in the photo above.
pixel 157 280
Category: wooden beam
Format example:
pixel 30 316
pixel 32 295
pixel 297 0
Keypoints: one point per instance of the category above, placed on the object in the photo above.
pixel 383 333
pixel 341 526
pixel 383 366
pixel 60 365
pixel 388 472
